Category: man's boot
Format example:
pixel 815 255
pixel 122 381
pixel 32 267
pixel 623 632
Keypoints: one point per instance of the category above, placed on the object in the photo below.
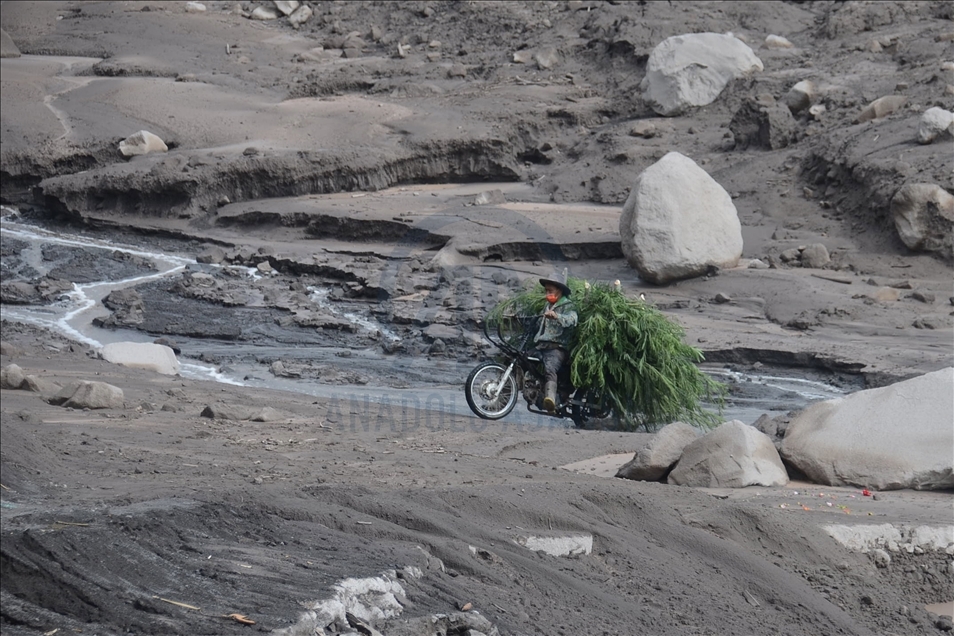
pixel 549 402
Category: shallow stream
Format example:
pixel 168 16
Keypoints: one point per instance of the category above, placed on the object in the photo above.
pixel 416 402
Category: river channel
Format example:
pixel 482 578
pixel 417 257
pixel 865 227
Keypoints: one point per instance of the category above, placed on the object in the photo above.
pixel 430 387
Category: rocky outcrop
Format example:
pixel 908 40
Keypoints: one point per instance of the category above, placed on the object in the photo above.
pixel 654 460
pixel 678 222
pixel 692 70
pixel 141 355
pixel 898 436
pixel 734 455
pixel 923 214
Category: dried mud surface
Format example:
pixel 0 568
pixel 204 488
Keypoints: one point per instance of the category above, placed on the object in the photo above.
pixel 358 175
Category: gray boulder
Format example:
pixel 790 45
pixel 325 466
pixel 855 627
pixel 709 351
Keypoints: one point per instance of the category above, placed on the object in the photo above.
pixel 936 123
pixel 815 256
pixel 89 395
pixel 654 460
pixel 923 215
pixel 140 355
pixel 763 124
pixel 898 436
pixel 692 70
pixel 678 222
pixel 734 455
pixel 44 387
pixel 11 377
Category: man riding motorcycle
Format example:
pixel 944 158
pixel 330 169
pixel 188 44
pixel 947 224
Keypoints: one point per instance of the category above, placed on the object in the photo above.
pixel 555 334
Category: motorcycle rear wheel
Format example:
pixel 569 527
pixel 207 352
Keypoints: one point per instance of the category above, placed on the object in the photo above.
pixel 481 382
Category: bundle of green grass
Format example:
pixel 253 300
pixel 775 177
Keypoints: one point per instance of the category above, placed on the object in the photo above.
pixel 629 352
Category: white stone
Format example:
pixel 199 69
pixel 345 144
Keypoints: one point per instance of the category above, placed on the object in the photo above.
pixel 734 455
pixel 777 42
pixel 568 545
pixel 677 222
pixel 691 70
pixel 898 436
pixel 300 16
pixel 142 143
pixel 264 13
pixel 140 355
pixel 546 58
pixel 935 122
pixel 287 7
pixel 194 7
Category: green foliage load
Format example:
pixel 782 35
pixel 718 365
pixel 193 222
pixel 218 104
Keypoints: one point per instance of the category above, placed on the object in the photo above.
pixel 629 352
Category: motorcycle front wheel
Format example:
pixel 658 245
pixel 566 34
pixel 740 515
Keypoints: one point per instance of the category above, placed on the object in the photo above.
pixel 482 385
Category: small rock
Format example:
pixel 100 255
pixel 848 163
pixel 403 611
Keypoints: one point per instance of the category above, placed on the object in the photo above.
pixel 524 56
pixel 790 255
pixel 800 96
pixel 194 7
pixel 546 58
pixel 457 70
pixel 885 295
pixel 815 256
pixel 300 16
pixel 264 267
pixel 264 13
pixel 644 129
pixel 758 264
pixel 881 558
pixel 721 298
pixel 944 623
pixel 141 143
pixel 923 296
pixel 816 111
pixel 777 42
pixel 882 107
pixel 287 7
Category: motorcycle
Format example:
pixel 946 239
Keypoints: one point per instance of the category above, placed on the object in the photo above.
pixel 493 387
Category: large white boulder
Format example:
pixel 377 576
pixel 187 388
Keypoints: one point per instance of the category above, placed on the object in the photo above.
pixel 734 455
pixel 654 460
pixel 935 123
pixel 923 215
pixel 142 143
pixel 898 436
pixel 678 222
pixel 11 377
pixel 691 70
pixel 141 355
